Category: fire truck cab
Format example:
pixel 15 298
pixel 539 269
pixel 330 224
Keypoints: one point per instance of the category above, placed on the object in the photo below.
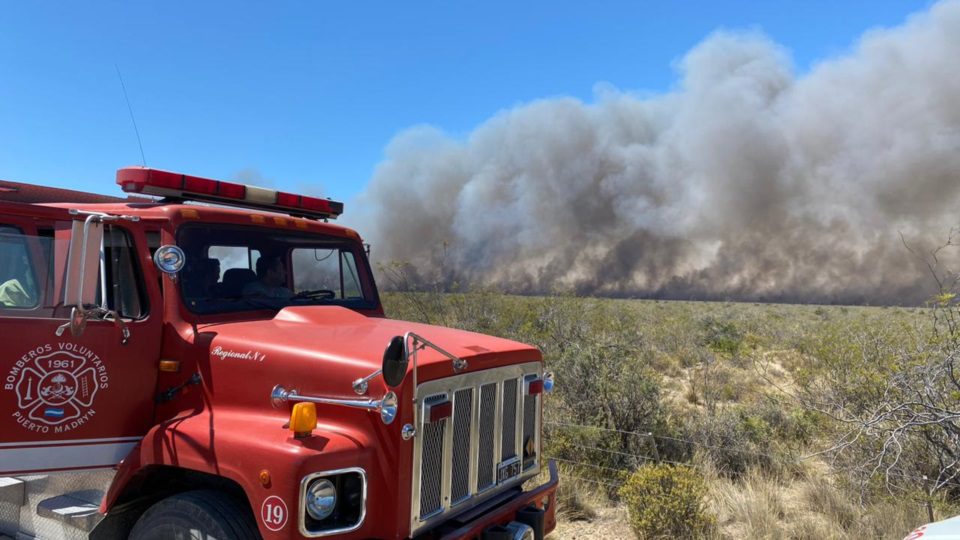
pixel 205 359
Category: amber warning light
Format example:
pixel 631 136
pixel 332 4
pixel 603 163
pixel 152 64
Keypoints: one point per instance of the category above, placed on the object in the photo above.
pixel 192 188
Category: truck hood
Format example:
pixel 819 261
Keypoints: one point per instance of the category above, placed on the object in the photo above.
pixel 350 344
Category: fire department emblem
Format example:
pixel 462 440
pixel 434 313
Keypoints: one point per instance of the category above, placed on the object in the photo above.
pixel 57 387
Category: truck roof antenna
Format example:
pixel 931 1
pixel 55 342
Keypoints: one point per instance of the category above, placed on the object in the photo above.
pixel 143 157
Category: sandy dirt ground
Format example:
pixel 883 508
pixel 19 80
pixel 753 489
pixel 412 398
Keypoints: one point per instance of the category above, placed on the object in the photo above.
pixel 610 523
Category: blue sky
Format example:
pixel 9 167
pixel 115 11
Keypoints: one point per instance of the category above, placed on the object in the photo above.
pixel 306 96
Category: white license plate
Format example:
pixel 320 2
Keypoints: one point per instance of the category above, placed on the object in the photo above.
pixel 508 469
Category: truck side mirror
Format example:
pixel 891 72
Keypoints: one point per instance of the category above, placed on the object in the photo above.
pixel 395 362
pixel 83 263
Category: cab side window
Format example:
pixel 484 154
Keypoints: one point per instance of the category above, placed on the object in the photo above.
pixel 30 264
pixel 18 277
pixel 125 291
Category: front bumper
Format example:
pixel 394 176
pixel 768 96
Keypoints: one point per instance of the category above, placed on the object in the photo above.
pixel 503 509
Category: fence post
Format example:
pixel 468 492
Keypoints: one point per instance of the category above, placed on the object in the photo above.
pixel 929 500
pixel 656 451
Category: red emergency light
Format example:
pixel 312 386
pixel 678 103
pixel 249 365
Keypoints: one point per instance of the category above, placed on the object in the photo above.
pixel 148 181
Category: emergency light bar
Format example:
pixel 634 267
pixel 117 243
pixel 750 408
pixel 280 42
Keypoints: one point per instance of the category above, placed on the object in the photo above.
pixel 181 186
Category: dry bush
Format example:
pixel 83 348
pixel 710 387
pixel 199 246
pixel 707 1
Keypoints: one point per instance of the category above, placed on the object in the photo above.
pixel 837 508
pixel 667 501
pixel 890 519
pixel 735 439
pixel 761 506
pixel 752 505
pixel 814 527
pixel 577 500
pixel 892 393
pixel 715 381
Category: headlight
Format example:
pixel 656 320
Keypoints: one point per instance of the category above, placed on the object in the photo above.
pixel 321 499
pixel 388 408
pixel 332 502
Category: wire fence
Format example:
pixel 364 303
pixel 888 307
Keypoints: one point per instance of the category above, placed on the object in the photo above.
pixel 656 458
pixel 651 435
pixel 595 481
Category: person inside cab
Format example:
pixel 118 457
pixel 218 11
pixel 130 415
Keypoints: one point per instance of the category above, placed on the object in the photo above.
pixel 272 279
pixel 15 289
pixel 13 294
pixel 207 286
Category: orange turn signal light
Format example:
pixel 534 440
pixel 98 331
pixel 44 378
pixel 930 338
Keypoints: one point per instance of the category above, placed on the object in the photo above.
pixel 264 477
pixel 170 366
pixel 303 419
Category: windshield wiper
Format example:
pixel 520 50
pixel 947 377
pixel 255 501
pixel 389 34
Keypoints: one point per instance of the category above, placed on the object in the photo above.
pixel 315 294
pixel 253 301
pixel 257 302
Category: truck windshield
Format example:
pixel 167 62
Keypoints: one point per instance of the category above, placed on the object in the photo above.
pixel 237 268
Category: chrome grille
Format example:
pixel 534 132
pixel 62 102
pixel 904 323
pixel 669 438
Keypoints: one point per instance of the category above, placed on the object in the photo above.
pixel 529 424
pixel 457 459
pixel 462 422
pixel 431 474
pixel 508 448
pixel 488 417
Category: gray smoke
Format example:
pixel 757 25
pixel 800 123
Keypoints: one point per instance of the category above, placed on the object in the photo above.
pixel 746 182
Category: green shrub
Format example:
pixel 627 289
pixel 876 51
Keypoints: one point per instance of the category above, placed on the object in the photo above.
pixel 734 440
pixel 722 336
pixel 666 501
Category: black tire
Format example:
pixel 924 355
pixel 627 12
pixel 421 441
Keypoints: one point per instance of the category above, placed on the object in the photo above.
pixel 212 514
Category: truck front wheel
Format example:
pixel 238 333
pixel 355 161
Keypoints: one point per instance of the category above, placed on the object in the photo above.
pixel 202 515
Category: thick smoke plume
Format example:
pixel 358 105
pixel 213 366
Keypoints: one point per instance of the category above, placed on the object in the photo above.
pixel 746 182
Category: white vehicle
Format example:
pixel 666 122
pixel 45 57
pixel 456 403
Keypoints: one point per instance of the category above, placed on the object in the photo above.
pixel 948 529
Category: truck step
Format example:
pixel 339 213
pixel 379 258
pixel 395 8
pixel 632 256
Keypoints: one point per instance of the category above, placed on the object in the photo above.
pixel 12 492
pixel 61 506
pixel 71 509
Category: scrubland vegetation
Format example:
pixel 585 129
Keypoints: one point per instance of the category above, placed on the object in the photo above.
pixel 727 420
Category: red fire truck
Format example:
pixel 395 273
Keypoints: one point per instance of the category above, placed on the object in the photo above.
pixel 205 359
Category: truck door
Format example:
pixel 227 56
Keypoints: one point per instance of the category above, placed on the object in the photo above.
pixel 73 401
